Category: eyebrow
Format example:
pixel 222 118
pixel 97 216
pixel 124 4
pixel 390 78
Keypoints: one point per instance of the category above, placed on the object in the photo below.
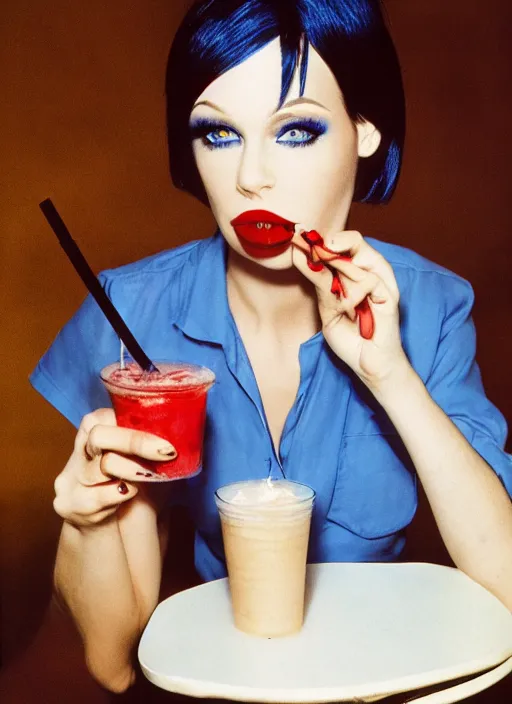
pixel 208 105
pixel 288 104
pixel 301 101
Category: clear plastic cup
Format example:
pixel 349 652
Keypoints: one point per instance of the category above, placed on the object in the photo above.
pixel 265 528
pixel 170 403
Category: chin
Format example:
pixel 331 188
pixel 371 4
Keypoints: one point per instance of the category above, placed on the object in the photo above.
pixel 281 262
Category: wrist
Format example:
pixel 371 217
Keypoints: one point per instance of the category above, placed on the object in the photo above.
pixel 396 386
pixel 81 529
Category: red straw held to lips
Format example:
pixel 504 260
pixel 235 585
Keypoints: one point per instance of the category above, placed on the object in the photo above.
pixel 363 310
pixel 93 285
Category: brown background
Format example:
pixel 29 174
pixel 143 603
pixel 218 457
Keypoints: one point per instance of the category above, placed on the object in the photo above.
pixel 82 121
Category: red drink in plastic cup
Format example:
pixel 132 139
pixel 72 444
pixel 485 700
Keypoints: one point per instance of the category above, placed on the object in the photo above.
pixel 170 403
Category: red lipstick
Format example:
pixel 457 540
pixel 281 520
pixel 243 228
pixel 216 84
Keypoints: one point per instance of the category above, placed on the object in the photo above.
pixel 263 234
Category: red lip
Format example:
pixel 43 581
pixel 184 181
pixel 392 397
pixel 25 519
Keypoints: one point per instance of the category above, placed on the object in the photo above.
pixel 263 234
pixel 251 217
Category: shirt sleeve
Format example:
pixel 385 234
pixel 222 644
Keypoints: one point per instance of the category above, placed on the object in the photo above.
pixel 455 382
pixel 67 375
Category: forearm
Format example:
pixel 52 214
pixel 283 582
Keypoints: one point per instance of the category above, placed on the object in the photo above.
pixel 144 538
pixel 92 576
pixel 471 507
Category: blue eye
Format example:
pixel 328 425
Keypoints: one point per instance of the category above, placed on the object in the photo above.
pixel 221 137
pixel 214 135
pixel 301 133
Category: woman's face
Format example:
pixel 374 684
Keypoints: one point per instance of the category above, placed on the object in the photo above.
pixel 297 163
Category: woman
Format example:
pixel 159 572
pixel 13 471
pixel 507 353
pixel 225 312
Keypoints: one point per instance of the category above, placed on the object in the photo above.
pixel 353 376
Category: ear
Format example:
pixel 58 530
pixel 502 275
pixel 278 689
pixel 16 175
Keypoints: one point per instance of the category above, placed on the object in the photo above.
pixel 368 139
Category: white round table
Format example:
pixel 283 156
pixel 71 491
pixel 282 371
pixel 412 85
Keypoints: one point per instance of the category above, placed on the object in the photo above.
pixel 371 630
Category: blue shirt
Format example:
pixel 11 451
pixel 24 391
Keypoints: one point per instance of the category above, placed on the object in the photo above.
pixel 336 439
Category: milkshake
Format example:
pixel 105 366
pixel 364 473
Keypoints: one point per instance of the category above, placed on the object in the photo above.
pixel 170 403
pixel 265 528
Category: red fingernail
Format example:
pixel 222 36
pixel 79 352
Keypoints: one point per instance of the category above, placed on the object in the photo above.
pixel 122 488
pixel 315 266
pixel 313 238
pixel 366 321
pixel 337 287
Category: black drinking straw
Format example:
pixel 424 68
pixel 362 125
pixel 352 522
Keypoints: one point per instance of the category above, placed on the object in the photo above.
pixel 86 274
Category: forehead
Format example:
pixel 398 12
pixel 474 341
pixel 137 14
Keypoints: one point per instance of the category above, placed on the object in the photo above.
pixel 254 86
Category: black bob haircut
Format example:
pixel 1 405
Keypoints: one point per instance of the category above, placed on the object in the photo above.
pixel 351 37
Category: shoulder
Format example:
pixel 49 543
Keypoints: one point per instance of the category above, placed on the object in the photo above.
pixel 169 262
pixel 422 281
pixel 435 307
pixel 148 294
pixel 164 279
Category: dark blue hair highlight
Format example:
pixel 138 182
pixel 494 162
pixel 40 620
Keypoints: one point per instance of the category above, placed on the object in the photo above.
pixel 349 35
pixel 387 180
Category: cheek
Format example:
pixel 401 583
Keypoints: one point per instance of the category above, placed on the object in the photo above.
pixel 320 169
pixel 217 169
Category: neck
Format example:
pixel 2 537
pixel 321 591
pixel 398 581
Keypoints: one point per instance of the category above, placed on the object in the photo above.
pixel 282 300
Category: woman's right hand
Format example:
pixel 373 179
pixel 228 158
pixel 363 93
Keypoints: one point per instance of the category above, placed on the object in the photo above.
pixel 89 489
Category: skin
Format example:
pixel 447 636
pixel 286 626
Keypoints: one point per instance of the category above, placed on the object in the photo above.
pixel 275 308
pixel 109 560
pixel 111 547
pixel 310 184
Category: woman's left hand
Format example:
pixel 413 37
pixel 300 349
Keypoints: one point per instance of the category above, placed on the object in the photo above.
pixel 368 276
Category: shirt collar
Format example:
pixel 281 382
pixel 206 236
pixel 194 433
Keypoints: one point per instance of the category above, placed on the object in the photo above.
pixel 206 316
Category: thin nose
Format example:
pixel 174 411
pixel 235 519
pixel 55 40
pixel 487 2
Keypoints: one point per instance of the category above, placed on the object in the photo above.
pixel 254 174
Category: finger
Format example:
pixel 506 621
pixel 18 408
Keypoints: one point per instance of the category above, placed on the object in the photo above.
pixel 319 256
pixel 106 497
pixel 94 503
pixel 376 263
pixel 331 304
pixel 124 467
pixel 302 241
pixel 112 465
pixel 366 320
pixel 369 259
pixel 351 242
pixel 349 270
pixel 364 299
pixel 348 243
pixel 360 284
pixel 128 442
pixel 330 288
pixel 315 248
pixel 102 416
pixel 321 278
pixel 91 474
pixel 364 256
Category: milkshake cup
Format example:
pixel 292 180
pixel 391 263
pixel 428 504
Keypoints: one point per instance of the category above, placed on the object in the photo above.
pixel 265 528
pixel 170 403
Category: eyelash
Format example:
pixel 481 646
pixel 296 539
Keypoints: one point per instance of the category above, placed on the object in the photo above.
pixel 315 128
pixel 201 129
